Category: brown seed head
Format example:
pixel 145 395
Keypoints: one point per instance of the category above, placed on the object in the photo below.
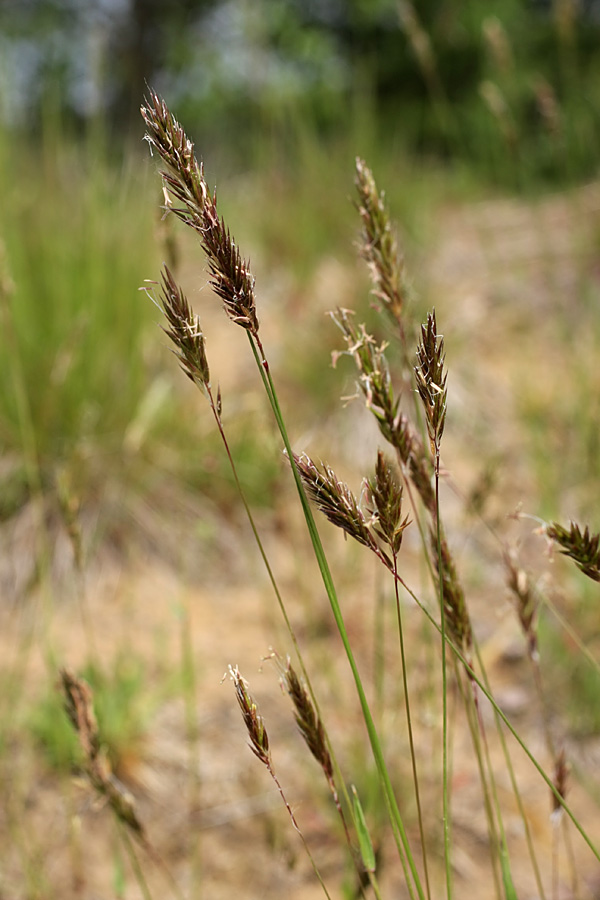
pixel 184 181
pixel 561 775
pixel 335 500
pixel 183 328
pixel 458 622
pixel 431 380
pixel 79 707
pixel 524 599
pixel 582 546
pixel 384 498
pixel 378 245
pixel 307 720
pixel 255 726
pixel 373 371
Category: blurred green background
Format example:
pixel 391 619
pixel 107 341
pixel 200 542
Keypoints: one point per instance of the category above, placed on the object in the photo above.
pixel 435 77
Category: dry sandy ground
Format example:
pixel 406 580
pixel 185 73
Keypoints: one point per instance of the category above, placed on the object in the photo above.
pixel 211 811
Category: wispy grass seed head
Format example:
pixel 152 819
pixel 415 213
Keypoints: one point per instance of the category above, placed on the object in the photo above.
pixel 183 328
pixel 581 546
pixel 456 614
pixel 310 725
pixel 78 703
pixel 560 781
pixel 376 385
pixel 184 180
pixel 378 245
pixel 335 500
pixel 384 499
pixel 255 726
pixel 431 380
pixel 373 371
pixel 525 601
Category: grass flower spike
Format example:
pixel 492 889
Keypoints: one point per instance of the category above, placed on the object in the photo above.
pixel 310 725
pixel 378 245
pixel 431 381
pixel 335 500
pixel 581 546
pixel 384 496
pixel 259 744
pixel 78 703
pixel 255 726
pixel 184 181
pixel 183 328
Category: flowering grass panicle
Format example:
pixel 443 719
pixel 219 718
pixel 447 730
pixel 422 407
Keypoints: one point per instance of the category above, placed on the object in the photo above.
pixel 309 723
pixel 254 722
pixel 431 381
pixel 384 498
pixel 78 703
pixel 335 500
pixel 378 245
pixel 184 180
pixel 581 546
pixel 183 328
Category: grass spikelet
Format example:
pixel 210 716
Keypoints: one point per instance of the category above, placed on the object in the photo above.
pixel 335 500
pixel 310 725
pixel 525 602
pixel 384 497
pixel 431 381
pixel 259 744
pixel 183 328
pixel 255 726
pixel 378 245
pixel 373 371
pixel 581 546
pixel 560 779
pixel 78 702
pixel 184 181
pixel 456 615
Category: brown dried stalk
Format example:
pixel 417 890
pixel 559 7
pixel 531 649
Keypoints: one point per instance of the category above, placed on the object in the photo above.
pixel 184 181
pixel 582 547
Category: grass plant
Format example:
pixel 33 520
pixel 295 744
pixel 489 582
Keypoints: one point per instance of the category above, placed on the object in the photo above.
pixel 376 521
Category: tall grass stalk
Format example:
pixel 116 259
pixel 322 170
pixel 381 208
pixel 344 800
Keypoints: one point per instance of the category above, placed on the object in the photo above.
pixel 259 744
pixel 378 525
pixel 184 330
pixel 234 284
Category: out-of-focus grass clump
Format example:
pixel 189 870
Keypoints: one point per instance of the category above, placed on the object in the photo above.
pixel 76 239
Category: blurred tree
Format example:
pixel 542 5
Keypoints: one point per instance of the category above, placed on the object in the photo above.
pixel 428 68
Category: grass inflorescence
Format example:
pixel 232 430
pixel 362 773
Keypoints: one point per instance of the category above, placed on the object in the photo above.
pixel 400 642
pixel 377 522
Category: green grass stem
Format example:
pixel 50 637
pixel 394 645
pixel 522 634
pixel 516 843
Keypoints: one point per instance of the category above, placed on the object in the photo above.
pixel 391 802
